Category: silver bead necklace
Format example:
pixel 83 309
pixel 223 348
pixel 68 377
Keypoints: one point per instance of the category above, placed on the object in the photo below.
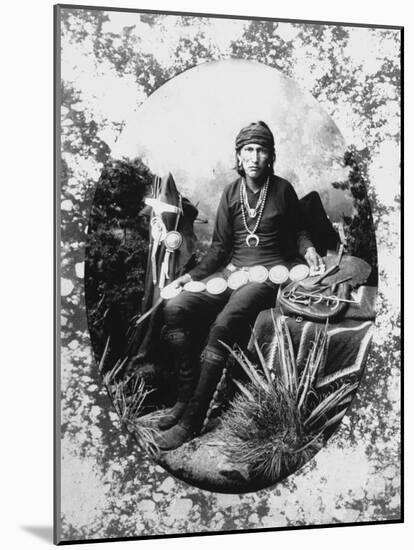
pixel 251 232
pixel 252 212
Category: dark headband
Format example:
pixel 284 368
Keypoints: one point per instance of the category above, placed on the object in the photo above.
pixel 257 132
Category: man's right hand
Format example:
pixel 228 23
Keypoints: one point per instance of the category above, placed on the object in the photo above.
pixel 181 281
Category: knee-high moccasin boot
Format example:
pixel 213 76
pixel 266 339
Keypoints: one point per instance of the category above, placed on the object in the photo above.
pixel 180 349
pixel 191 422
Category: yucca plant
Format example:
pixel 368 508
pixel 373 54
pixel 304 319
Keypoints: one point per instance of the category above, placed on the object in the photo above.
pixel 276 423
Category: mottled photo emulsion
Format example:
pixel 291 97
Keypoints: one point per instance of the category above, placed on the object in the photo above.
pixel 230 319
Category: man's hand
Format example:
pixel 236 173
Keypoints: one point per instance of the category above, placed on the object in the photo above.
pixel 181 281
pixel 313 259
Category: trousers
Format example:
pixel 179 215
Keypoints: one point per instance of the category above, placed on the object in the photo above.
pixel 227 317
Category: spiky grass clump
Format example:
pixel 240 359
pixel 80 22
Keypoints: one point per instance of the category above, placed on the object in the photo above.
pixel 263 431
pixel 128 395
pixel 273 426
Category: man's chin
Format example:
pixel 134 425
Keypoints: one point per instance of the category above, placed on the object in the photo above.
pixel 255 174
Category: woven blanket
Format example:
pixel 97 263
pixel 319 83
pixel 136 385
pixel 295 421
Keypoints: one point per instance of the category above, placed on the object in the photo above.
pixel 348 345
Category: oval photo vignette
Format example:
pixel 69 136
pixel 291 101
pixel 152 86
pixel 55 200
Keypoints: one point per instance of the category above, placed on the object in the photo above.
pixel 276 404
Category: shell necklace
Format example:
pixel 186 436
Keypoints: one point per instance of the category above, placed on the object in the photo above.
pixel 262 200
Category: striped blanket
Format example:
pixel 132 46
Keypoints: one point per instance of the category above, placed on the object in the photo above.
pixel 348 341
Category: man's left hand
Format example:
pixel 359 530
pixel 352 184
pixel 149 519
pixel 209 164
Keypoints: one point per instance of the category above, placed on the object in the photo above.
pixel 313 259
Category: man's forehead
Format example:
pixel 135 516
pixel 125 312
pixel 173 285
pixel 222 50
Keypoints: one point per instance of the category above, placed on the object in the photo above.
pixel 254 146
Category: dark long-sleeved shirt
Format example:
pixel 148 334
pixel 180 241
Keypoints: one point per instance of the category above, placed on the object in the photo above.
pixel 281 231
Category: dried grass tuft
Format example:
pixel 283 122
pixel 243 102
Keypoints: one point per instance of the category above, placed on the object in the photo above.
pixel 128 396
pixel 264 432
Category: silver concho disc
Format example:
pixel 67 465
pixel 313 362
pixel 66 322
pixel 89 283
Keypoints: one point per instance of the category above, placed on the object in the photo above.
pixel 194 286
pixel 299 272
pixel 217 285
pixel 173 240
pixel 279 274
pixel 170 291
pixel 258 274
pixel 252 236
pixel 237 279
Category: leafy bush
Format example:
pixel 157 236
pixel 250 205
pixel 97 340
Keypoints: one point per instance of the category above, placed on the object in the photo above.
pixel 116 252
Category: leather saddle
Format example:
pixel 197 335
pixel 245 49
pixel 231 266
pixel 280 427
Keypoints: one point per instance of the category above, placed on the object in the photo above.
pixel 327 296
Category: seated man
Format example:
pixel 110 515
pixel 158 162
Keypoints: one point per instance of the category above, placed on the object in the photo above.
pixel 258 223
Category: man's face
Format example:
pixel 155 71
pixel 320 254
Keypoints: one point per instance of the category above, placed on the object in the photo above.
pixel 254 159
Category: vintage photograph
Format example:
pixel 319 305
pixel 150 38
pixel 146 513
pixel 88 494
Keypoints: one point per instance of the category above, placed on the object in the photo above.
pixel 228 202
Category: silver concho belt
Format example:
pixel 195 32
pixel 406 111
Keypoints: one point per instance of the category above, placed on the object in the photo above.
pixel 278 274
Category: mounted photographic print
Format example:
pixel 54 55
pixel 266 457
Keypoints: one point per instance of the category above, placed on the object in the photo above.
pixel 228 274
